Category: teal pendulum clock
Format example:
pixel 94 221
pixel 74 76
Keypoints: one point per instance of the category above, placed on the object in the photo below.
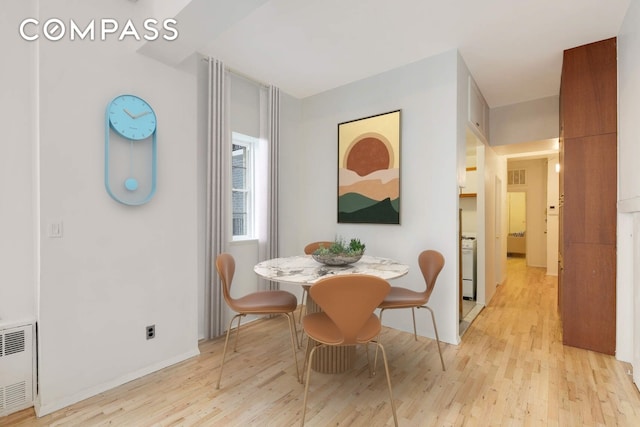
pixel 130 147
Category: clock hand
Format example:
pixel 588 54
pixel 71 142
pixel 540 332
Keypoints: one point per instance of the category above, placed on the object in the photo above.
pixel 130 115
pixel 141 114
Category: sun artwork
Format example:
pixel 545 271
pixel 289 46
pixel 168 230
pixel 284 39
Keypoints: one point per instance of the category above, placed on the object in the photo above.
pixel 368 177
pixel 368 155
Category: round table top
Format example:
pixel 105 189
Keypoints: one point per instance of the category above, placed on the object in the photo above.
pixel 304 270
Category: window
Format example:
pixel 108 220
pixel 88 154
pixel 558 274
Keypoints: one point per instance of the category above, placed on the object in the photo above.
pixel 242 185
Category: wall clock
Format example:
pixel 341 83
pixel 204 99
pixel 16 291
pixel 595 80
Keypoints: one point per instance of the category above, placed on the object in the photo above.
pixel 130 146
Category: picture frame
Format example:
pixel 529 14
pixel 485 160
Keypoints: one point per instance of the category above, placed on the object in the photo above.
pixel 369 169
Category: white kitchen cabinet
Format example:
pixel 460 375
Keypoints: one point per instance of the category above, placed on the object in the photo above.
pixel 478 110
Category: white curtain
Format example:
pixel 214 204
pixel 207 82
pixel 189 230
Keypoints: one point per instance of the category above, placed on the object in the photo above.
pixel 270 132
pixel 272 205
pixel 218 185
pixel 218 153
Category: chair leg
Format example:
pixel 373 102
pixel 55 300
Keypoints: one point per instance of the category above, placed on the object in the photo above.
pixel 306 386
pixel 235 345
pixel 306 359
pixel 366 349
pixel 303 306
pixel 375 359
pixel 386 369
pixel 435 328
pixel 224 351
pixel 415 332
pixel 292 328
pixel 298 343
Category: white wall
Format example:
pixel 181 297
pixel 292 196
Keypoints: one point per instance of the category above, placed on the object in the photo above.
pixel 492 209
pixel 553 190
pixel 117 268
pixel 524 122
pixel 628 258
pixel 18 168
pixel 426 92
pixel 469 214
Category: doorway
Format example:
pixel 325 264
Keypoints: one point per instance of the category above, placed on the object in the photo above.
pixel 517 224
pixel 471 246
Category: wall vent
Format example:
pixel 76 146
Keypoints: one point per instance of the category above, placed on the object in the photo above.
pixel 516 176
pixel 17 367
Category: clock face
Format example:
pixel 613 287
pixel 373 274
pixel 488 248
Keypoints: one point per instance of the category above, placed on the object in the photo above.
pixel 131 117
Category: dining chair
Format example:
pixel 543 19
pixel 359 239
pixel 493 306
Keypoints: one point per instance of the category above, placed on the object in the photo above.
pixel 348 303
pixel 308 250
pixel 262 302
pixel 431 263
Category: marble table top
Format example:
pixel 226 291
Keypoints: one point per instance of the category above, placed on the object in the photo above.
pixel 304 270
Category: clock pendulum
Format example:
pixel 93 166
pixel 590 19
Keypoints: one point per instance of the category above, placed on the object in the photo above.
pixel 131 183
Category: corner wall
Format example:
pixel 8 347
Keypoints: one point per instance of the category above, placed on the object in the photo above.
pixel 116 268
pixel 426 92
pixel 18 168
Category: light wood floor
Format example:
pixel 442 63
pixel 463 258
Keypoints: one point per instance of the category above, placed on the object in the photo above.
pixel 510 369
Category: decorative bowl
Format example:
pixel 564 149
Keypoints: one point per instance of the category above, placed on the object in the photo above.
pixel 336 259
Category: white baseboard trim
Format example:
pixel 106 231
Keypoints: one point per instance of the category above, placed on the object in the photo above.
pixel 51 407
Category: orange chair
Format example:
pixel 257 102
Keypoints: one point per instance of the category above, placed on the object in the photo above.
pixel 308 250
pixel 431 263
pixel 348 303
pixel 312 247
pixel 265 302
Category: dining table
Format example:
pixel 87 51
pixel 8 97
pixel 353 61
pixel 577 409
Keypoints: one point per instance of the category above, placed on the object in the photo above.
pixel 303 270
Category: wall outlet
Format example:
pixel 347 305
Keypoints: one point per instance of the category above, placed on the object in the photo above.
pixel 151 332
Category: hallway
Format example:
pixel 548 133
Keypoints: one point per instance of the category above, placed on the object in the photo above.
pixel 535 376
pixel 510 369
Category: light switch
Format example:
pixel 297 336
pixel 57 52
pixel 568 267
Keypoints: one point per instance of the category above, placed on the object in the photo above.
pixel 54 229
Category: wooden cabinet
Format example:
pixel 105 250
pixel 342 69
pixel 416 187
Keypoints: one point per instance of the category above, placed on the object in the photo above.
pixel 590 189
pixel 588 193
pixel 589 295
pixel 589 90
pixel 478 110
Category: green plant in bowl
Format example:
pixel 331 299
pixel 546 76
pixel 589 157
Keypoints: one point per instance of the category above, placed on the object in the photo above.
pixel 340 252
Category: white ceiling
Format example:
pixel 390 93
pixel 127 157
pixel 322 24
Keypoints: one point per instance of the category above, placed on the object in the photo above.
pixel 513 48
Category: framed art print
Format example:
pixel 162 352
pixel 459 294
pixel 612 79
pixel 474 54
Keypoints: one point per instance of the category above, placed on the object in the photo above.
pixel 369 170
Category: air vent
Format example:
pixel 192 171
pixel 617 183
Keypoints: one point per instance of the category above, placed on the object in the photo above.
pixel 13 342
pixel 517 177
pixel 16 394
pixel 17 367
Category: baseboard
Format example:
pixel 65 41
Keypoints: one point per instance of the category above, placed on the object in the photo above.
pixel 48 408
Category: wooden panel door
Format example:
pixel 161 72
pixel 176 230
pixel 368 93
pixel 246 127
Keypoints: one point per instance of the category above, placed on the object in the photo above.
pixel 589 304
pixel 590 194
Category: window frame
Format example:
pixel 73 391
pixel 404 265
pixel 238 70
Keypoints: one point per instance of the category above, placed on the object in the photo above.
pixel 250 144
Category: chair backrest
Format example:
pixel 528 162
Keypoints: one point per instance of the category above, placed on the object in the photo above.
pixel 313 246
pixel 349 301
pixel 431 263
pixel 226 266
